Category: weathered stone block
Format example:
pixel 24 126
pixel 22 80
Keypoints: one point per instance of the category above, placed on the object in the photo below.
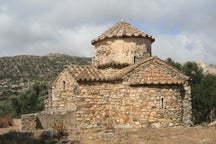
pixel 29 122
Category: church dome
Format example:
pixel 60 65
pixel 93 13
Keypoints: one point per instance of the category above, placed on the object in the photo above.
pixel 122 29
pixel 121 45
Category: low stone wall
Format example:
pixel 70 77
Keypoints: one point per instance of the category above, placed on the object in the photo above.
pixel 47 120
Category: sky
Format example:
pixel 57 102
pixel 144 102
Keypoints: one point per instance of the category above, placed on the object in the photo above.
pixel 184 30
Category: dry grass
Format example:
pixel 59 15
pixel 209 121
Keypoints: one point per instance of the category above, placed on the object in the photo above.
pixel 183 135
pixel 6 121
pixel 180 135
pixel 59 129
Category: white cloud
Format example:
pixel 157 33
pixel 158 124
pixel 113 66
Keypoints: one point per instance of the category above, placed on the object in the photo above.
pixel 181 47
pixel 184 30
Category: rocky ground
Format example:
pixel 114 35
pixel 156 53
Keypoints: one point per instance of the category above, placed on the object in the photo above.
pixel 179 135
pixel 194 135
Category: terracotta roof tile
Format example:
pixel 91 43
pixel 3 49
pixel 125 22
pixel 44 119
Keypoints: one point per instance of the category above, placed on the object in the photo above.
pixel 130 68
pixel 153 71
pixel 150 70
pixel 86 73
pixel 122 29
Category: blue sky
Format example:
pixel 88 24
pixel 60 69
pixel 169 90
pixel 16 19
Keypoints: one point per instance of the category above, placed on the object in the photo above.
pixel 184 30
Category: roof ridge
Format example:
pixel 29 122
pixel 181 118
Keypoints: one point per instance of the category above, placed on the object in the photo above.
pixel 130 68
pixel 175 69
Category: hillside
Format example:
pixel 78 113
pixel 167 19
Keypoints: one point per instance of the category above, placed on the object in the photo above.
pixel 18 72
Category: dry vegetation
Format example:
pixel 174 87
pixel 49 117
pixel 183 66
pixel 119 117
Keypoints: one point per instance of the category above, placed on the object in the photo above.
pixel 179 135
pixel 194 135
pixel 6 121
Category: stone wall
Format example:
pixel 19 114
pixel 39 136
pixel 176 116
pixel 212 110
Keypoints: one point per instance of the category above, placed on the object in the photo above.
pixel 29 122
pixel 187 111
pixel 122 50
pixel 119 105
pixel 125 106
pixel 63 90
pixel 48 119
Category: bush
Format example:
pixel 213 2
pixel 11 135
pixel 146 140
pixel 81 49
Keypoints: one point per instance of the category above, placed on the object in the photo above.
pixel 59 129
pixel 6 122
pixel 30 101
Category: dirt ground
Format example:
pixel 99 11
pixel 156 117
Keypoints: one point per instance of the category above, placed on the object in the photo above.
pixel 183 135
pixel 179 135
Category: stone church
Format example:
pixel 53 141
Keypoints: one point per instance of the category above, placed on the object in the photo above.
pixel 125 87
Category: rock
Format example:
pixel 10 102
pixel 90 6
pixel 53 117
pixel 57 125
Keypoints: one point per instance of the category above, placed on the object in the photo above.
pixel 88 126
pixel 46 135
pixel 171 124
pixel 124 126
pixel 212 124
pixel 156 125
pixel 106 134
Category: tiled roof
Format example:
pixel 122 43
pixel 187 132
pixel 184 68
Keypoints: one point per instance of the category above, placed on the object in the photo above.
pixel 122 29
pixel 130 68
pixel 86 73
pixel 150 70
pixel 153 71
pixel 152 75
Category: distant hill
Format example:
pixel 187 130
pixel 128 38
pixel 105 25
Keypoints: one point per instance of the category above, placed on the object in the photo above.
pixel 18 72
pixel 207 69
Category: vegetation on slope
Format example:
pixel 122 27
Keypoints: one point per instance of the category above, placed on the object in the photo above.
pixel 30 101
pixel 19 75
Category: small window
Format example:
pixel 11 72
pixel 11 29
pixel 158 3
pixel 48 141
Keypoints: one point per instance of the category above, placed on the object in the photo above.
pixel 134 59
pixel 63 84
pixel 75 90
pixel 163 104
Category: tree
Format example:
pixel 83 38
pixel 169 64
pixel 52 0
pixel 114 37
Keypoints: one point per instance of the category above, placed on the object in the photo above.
pixel 31 101
pixel 204 101
pixel 203 90
pixel 174 64
pixel 195 72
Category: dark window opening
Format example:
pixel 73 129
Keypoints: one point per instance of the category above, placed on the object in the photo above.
pixel 63 84
pixel 163 103
pixel 134 59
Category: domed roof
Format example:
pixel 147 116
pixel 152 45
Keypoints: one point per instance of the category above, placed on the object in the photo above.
pixel 122 29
